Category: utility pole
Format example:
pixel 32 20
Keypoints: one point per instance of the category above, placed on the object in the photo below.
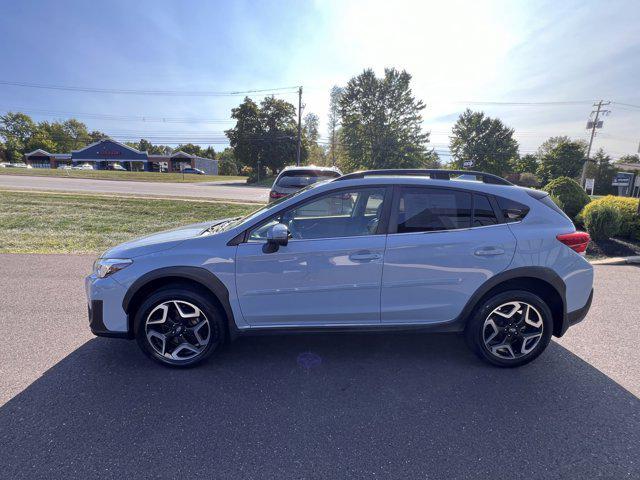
pixel 595 124
pixel 299 126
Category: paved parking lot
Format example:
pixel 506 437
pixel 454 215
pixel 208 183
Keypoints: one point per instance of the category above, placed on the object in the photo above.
pixel 205 191
pixel 375 406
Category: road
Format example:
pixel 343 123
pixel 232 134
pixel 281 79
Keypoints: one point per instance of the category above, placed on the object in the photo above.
pixel 376 406
pixel 209 191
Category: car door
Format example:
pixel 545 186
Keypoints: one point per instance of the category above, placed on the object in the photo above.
pixel 329 273
pixel 443 244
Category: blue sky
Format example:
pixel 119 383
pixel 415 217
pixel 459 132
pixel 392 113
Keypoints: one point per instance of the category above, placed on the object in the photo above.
pixel 459 53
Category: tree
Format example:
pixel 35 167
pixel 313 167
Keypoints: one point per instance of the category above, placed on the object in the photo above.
pixel 17 126
pixel 265 136
pixel 278 118
pixel 560 157
pixel 485 141
pixel 97 135
pixel 41 139
pixel 525 164
pixel 382 122
pixel 310 127
pixel 245 137
pixel 602 171
pixel 629 159
pixel 227 164
pixel 209 152
pixel 334 121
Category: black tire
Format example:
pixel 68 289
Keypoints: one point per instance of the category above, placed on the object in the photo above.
pixel 476 332
pixel 180 294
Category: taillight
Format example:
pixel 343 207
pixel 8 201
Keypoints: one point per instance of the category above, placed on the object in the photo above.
pixel 273 194
pixel 576 241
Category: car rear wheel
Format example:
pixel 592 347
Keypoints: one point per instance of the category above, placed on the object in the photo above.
pixel 510 329
pixel 178 327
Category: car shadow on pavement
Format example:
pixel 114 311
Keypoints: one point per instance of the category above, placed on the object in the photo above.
pixel 321 406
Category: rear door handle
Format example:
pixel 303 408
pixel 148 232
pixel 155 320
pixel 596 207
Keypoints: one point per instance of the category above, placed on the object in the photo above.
pixel 364 256
pixel 489 251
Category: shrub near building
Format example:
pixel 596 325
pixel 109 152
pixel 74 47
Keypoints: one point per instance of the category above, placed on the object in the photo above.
pixel 601 220
pixel 568 195
pixel 627 208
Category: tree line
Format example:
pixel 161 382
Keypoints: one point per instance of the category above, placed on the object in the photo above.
pixel 20 134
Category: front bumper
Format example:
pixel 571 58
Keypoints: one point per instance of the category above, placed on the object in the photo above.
pixel 104 307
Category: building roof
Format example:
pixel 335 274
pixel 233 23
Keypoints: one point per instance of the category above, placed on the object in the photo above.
pixel 108 139
pixel 38 151
pixel 627 166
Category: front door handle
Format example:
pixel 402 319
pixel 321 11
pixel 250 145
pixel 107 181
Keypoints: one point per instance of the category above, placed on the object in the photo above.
pixel 364 256
pixel 489 251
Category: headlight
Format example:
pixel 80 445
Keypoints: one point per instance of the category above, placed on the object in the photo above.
pixel 104 267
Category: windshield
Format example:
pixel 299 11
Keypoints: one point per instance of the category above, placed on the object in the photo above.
pixel 240 220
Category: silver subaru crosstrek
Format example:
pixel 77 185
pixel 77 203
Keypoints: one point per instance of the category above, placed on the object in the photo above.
pixel 423 250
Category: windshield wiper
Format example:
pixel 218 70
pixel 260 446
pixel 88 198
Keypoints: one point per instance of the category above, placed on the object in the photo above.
pixel 219 226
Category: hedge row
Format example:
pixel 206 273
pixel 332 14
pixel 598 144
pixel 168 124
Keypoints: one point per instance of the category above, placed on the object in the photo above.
pixel 606 217
pixel 624 221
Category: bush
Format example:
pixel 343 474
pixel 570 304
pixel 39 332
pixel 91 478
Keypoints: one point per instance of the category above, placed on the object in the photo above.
pixel 601 220
pixel 568 195
pixel 227 167
pixel 629 218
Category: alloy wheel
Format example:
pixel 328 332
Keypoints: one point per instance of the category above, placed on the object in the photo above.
pixel 177 330
pixel 512 330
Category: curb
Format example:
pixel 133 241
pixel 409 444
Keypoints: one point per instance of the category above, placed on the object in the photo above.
pixel 634 260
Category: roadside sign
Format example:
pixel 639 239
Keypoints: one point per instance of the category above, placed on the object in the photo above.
pixel 622 179
pixel 590 184
pixel 467 164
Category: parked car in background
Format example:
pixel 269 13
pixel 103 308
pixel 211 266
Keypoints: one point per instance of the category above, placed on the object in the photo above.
pixel 118 167
pixel 84 166
pixel 16 165
pixel 194 171
pixel 292 179
pixel 379 250
pixel 64 167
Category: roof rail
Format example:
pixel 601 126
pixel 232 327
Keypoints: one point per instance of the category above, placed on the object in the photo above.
pixel 435 174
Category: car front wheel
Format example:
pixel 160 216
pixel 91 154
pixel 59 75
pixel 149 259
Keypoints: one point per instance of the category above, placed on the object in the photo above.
pixel 178 327
pixel 510 329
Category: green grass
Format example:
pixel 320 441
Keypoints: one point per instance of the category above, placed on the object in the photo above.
pixel 74 223
pixel 115 175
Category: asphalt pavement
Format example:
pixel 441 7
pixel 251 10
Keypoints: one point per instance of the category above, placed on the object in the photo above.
pixel 206 191
pixel 386 406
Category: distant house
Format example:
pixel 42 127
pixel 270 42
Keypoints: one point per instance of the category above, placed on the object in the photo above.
pixel 104 153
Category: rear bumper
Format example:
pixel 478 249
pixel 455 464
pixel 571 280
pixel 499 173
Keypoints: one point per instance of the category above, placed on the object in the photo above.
pixel 578 315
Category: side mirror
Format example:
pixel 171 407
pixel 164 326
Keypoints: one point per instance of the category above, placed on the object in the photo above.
pixel 277 235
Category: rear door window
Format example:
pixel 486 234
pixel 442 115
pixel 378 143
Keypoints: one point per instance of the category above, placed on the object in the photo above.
pixel 483 213
pixel 511 210
pixel 433 209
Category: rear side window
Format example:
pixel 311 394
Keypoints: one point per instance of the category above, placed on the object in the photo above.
pixel 552 205
pixel 433 209
pixel 483 213
pixel 303 178
pixel 511 210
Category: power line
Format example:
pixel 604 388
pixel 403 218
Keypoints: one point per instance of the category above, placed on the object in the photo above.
pixel 626 104
pixel 123 91
pixel 106 116
pixel 520 104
